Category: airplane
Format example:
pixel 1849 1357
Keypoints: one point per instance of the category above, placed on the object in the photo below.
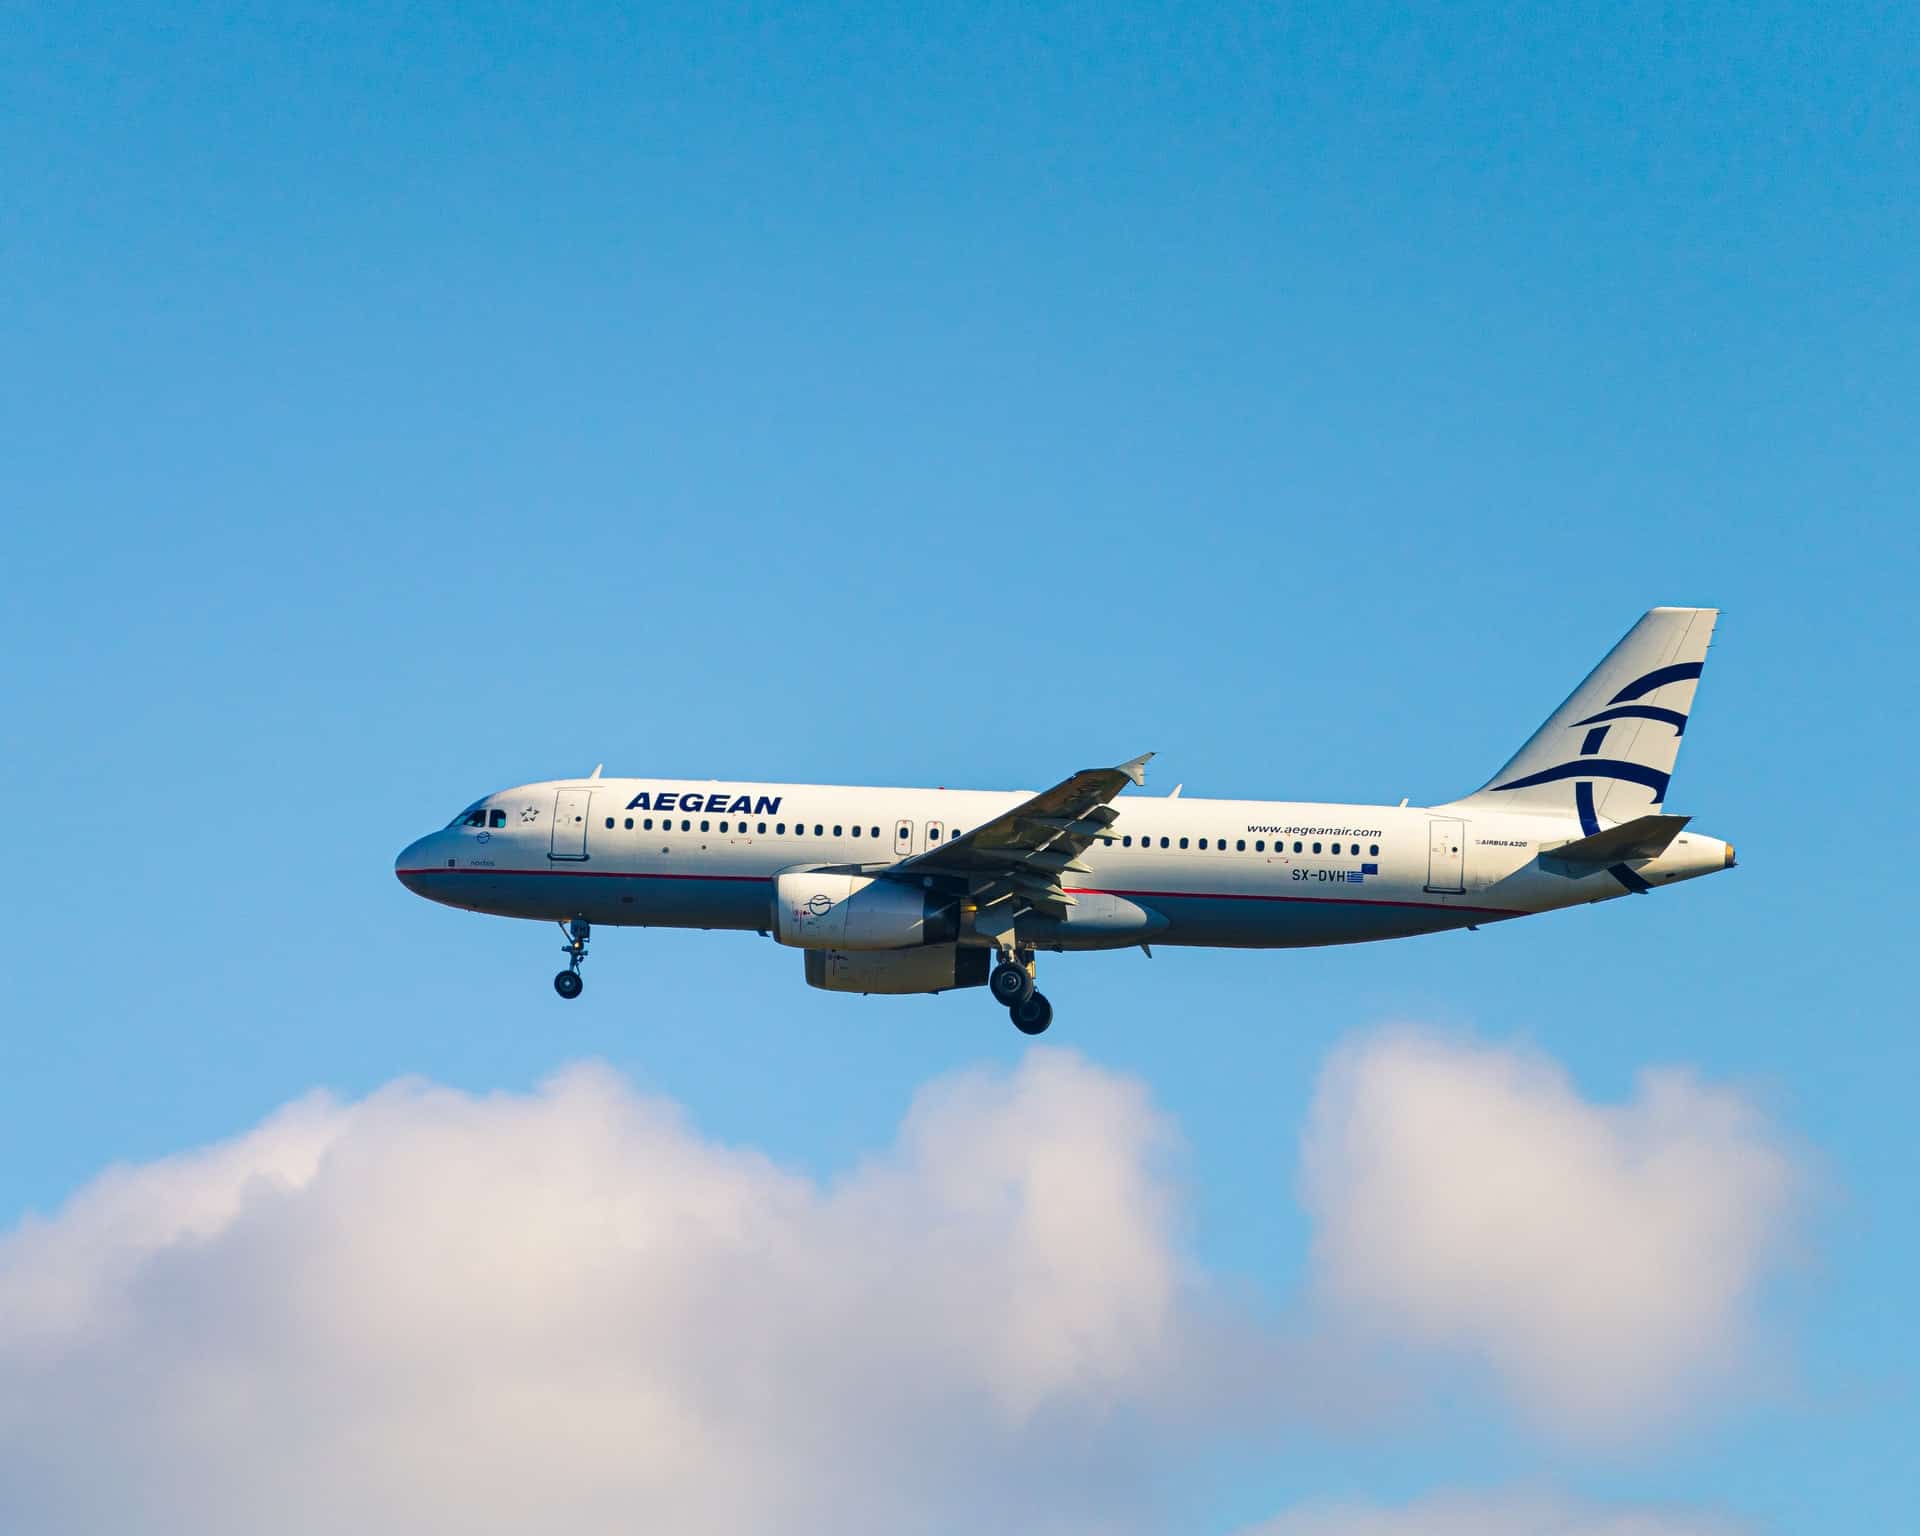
pixel 928 890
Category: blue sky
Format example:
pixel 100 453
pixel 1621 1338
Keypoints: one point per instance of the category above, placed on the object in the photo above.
pixel 405 401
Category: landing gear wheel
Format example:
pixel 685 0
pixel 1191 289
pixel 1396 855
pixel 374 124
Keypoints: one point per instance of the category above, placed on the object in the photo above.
pixel 1032 1014
pixel 1009 984
pixel 568 982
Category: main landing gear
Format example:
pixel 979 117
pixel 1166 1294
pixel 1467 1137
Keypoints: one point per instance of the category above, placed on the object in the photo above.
pixel 568 982
pixel 1012 985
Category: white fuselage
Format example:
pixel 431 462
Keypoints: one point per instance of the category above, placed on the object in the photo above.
pixel 1242 873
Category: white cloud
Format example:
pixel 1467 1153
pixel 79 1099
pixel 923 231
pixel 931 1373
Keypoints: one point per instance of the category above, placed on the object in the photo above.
pixel 570 1312
pixel 1601 1259
pixel 1506 1513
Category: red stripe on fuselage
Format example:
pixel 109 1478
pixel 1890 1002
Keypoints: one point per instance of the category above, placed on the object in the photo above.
pixel 1072 890
pixel 586 874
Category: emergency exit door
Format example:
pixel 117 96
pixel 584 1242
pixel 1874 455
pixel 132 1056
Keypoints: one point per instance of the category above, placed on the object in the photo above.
pixel 1446 855
pixel 902 838
pixel 570 824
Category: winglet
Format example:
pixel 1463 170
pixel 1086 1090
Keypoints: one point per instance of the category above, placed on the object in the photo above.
pixel 1136 769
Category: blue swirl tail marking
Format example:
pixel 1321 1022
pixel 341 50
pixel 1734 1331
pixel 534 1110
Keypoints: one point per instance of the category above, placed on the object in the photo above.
pixel 1658 678
pixel 1596 768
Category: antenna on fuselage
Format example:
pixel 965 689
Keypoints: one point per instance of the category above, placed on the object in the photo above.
pixel 596 772
pixel 1175 794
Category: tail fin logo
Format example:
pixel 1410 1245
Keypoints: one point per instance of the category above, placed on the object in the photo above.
pixel 1590 765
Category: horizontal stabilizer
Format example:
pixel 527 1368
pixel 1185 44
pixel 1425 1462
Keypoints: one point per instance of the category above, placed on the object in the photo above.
pixel 1645 837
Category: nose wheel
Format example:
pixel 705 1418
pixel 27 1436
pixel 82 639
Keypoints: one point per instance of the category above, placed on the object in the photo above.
pixel 569 983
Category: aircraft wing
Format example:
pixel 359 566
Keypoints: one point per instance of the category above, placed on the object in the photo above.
pixel 1014 862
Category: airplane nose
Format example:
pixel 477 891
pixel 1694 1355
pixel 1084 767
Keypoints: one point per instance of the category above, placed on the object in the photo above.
pixel 412 863
pixel 1731 861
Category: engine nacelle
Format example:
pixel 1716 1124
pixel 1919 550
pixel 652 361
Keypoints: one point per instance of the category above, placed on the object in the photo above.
pixel 931 968
pixel 826 911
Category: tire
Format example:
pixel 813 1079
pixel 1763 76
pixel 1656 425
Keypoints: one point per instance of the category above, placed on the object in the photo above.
pixel 568 984
pixel 1010 984
pixel 1032 1015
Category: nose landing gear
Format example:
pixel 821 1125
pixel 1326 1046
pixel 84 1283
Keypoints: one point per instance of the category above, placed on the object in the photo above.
pixel 1012 984
pixel 568 983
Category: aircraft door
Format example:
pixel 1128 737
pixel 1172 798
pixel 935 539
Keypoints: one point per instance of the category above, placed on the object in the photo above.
pixel 1446 855
pixel 570 824
pixel 902 838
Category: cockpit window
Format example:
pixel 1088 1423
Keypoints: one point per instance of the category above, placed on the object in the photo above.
pixel 480 816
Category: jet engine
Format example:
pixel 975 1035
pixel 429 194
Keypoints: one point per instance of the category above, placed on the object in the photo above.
pixel 853 912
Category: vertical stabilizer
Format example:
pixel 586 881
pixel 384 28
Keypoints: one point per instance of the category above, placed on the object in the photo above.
pixel 1609 750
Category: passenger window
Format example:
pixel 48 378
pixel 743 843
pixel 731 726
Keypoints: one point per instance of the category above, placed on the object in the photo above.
pixel 781 828
pixel 1296 847
pixel 723 829
pixel 1260 846
pixel 1316 847
pixel 933 834
pixel 686 826
pixel 763 829
pixel 1240 846
pixel 647 824
pixel 1203 842
pixel 1163 842
pixel 609 823
pixel 1127 842
pixel 816 829
pixel 836 831
pixel 704 826
pixel 1183 842
pixel 629 823
pixel 1334 849
pixel 856 831
pixel 876 831
pixel 1374 851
